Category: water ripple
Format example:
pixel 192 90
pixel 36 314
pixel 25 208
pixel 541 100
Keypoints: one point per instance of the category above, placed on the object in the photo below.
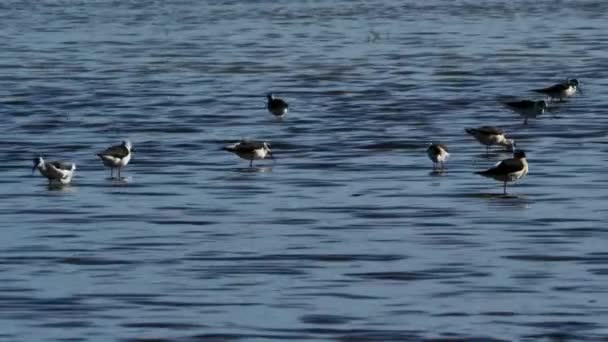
pixel 348 235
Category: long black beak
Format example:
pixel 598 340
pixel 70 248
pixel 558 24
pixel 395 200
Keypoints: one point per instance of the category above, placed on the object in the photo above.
pixel 34 169
pixel 578 88
pixel 271 155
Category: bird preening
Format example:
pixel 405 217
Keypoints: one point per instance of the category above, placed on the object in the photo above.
pixel 438 154
pixel 56 172
pixel 489 135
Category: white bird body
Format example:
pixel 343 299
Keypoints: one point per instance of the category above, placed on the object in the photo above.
pixel 438 153
pixel 527 108
pixel 250 150
pixel 115 162
pixel 117 156
pixel 570 91
pixel 55 172
pixel 508 170
pixel 488 136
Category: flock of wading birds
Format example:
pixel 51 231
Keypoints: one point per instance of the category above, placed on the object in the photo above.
pixel 508 170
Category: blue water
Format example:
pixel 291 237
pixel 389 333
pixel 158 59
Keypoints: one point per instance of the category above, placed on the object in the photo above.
pixel 348 235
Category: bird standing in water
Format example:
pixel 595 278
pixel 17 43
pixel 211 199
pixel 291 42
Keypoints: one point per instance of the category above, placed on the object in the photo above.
pixel 56 172
pixel 438 154
pixel 508 170
pixel 489 135
pixel 250 150
pixel 117 156
pixel 527 108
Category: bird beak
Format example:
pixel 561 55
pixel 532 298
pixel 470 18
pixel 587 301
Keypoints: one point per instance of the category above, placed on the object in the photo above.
pixel 34 169
pixel 579 89
pixel 270 155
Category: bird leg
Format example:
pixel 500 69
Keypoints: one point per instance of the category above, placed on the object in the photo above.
pixel 250 162
pixel 504 188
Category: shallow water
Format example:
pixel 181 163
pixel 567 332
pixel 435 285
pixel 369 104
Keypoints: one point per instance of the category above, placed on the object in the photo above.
pixel 348 235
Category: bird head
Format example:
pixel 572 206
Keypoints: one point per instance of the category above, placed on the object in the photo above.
pixel 38 161
pixel 542 104
pixel 268 150
pixel 511 144
pixel 127 144
pixel 573 82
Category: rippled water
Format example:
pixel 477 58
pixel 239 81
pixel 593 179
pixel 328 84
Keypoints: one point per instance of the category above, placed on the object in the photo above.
pixel 348 235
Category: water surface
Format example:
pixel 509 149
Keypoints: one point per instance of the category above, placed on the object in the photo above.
pixel 348 235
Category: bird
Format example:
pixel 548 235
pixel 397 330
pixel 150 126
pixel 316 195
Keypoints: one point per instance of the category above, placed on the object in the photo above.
pixel 527 108
pixel 276 106
pixel 117 156
pixel 508 170
pixel 438 154
pixel 561 90
pixel 489 135
pixel 56 172
pixel 250 150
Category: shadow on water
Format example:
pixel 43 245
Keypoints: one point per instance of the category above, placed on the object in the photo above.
pixel 60 187
pixel 438 173
pixel 119 181
pixel 501 200
pixel 497 195
pixel 494 155
pixel 254 169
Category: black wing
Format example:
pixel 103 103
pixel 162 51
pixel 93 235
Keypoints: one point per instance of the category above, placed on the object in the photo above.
pixel 484 130
pixel 278 103
pixel 553 89
pixel 62 165
pixel 117 151
pixel 249 145
pixel 505 167
pixel 520 104
pixel 489 130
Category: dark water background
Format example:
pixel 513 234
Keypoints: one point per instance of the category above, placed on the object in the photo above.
pixel 348 236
